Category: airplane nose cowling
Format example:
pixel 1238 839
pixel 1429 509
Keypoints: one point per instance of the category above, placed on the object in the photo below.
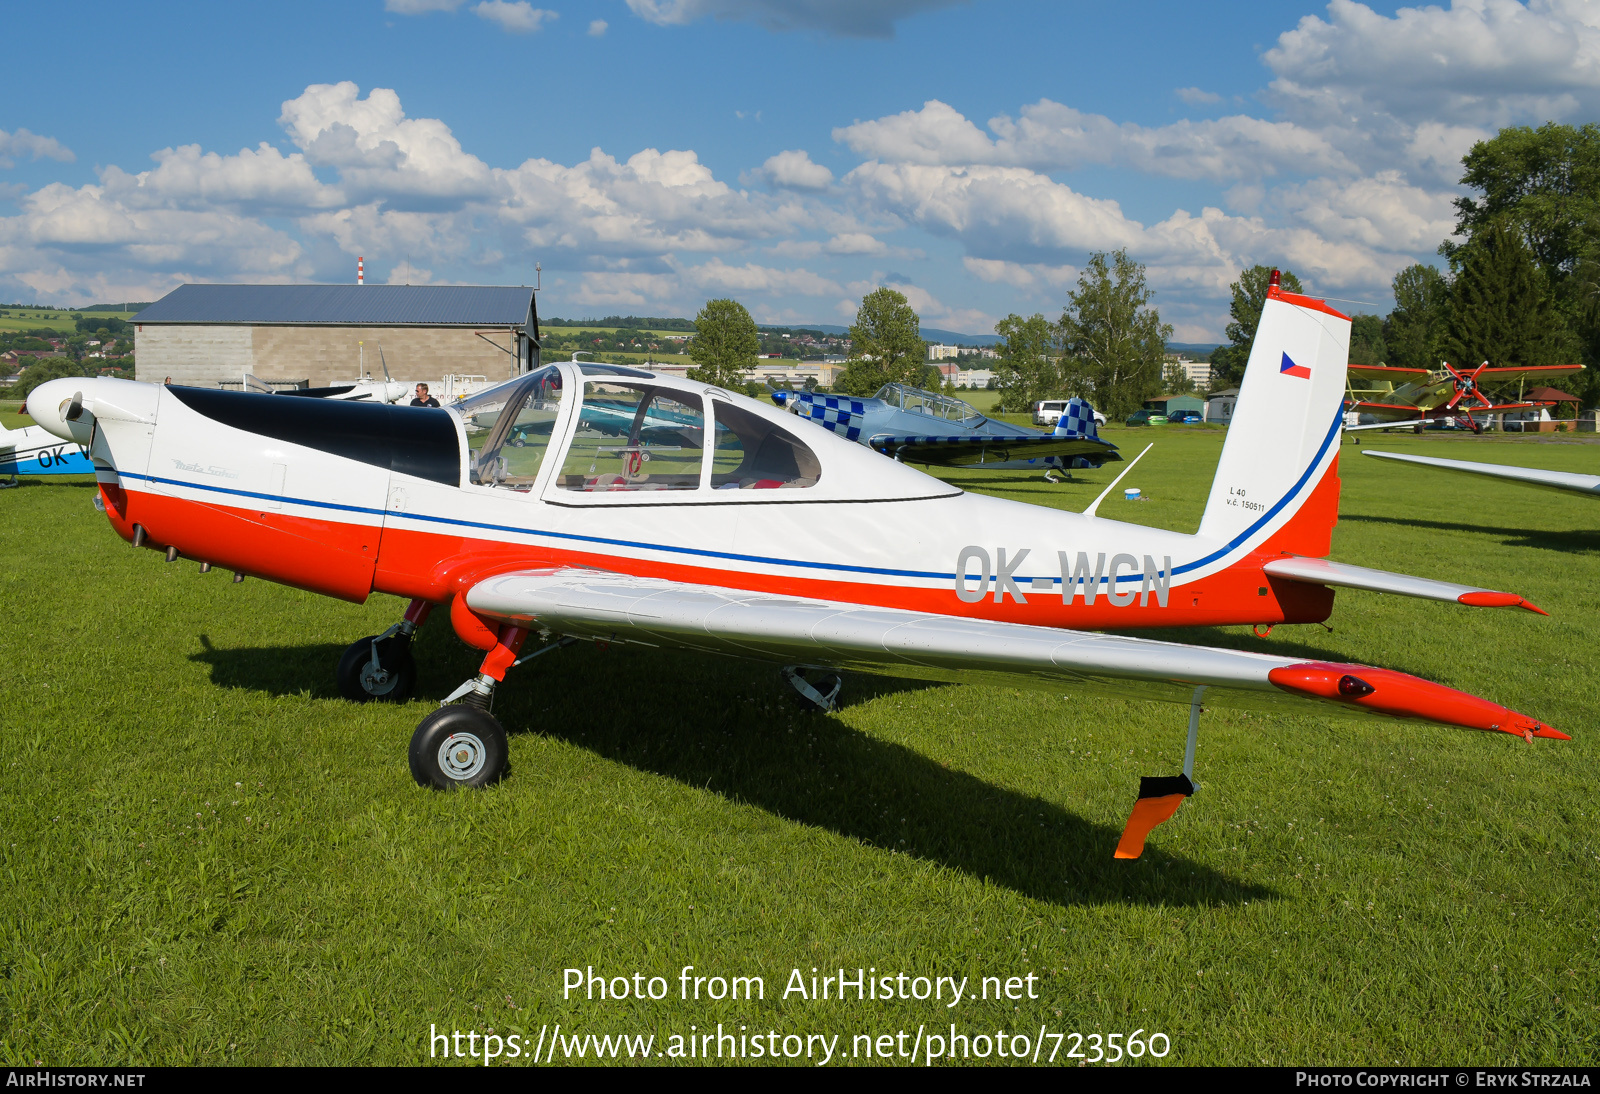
pixel 46 403
pixel 69 406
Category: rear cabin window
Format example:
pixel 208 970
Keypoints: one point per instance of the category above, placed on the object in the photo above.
pixel 634 437
pixel 508 430
pixel 751 453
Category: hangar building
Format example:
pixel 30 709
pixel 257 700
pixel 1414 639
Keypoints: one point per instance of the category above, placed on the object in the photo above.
pixel 311 335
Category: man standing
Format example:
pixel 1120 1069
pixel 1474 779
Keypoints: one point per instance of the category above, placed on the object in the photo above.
pixel 423 398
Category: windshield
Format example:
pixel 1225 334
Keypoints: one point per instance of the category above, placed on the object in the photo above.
pixel 918 401
pixel 508 429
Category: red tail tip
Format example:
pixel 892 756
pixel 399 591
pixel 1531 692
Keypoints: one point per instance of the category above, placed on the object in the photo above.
pixel 1272 285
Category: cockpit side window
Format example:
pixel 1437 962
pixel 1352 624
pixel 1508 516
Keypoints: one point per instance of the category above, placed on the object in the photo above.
pixel 634 437
pixel 508 430
pixel 752 453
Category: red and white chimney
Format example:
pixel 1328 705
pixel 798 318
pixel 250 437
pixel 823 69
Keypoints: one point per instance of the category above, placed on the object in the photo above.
pixel 361 271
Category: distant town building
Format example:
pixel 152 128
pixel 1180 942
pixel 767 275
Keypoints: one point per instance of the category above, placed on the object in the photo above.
pixel 974 378
pixel 1198 372
pixel 938 351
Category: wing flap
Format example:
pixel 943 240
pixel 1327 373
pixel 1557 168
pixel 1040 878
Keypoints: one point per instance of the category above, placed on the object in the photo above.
pixel 794 630
pixel 1322 571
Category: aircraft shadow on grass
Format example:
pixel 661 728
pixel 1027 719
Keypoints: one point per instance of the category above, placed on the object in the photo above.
pixel 1575 542
pixel 729 727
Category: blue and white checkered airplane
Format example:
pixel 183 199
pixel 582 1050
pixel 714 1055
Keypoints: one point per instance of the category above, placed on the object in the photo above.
pixel 916 426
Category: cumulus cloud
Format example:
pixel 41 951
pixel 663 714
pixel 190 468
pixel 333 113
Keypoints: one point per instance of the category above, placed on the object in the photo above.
pixel 408 162
pixel 1052 136
pixel 23 143
pixel 844 18
pixel 1475 63
pixel 795 171
pixel 597 28
pixel 1194 96
pixel 514 17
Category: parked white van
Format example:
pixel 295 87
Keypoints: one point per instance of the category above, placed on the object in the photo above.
pixel 1049 411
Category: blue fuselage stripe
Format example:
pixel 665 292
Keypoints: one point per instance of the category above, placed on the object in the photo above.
pixel 765 560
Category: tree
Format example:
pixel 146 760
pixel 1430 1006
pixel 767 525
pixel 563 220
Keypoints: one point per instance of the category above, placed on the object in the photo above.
pixel 888 332
pixel 858 377
pixel 1026 371
pixel 1249 296
pixel 1114 341
pixel 1502 310
pixel 48 368
pixel 1544 183
pixel 725 344
pixel 1414 331
pixel 1366 340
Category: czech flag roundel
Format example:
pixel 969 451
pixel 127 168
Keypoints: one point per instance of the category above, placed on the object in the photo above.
pixel 1289 368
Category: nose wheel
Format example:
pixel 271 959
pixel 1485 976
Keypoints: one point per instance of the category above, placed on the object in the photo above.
pixel 458 747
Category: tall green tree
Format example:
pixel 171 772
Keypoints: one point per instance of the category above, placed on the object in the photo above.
pixel 1544 183
pixel 1114 341
pixel 1026 371
pixel 1502 310
pixel 1414 331
pixel 858 377
pixel 1249 296
pixel 888 331
pixel 1366 340
pixel 725 344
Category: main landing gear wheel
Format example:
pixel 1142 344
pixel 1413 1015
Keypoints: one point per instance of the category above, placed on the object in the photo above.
pixel 458 747
pixel 378 667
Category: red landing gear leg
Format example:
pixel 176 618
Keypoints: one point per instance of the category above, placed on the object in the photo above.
pixel 463 745
pixel 1160 796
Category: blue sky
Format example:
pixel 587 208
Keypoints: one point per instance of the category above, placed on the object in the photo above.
pixel 790 153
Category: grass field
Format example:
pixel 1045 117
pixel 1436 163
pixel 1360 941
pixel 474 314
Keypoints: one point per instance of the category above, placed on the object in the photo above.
pixel 59 319
pixel 209 857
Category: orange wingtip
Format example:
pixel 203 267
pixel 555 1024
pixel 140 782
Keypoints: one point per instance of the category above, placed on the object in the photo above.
pixel 1386 691
pixel 1147 813
pixel 1488 599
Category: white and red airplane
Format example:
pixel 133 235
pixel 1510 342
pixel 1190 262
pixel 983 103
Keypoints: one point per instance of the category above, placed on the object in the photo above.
pixel 711 521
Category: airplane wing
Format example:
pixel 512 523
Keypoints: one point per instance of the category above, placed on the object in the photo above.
pixel 1531 476
pixel 608 607
pixel 972 448
pixel 1535 372
pixel 1391 415
pixel 1396 376
pixel 1322 571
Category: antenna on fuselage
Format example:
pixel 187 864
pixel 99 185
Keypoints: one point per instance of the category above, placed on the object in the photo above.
pixel 1089 512
pixel 387 378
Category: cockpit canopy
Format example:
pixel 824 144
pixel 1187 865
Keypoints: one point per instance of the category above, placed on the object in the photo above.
pixel 918 401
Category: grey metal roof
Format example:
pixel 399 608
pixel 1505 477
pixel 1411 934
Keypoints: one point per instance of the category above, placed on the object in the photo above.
pixel 344 305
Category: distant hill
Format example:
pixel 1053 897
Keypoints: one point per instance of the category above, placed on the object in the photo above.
pixel 131 306
pixel 1198 348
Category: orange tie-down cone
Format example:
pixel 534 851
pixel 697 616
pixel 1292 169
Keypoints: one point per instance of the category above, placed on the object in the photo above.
pixel 1159 798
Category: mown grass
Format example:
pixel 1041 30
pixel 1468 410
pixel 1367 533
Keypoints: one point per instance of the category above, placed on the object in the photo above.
pixel 209 857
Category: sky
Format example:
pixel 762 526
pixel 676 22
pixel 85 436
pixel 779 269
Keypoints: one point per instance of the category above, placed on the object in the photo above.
pixel 794 154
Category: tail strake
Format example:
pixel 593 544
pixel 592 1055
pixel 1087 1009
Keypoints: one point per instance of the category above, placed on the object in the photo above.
pixel 1283 441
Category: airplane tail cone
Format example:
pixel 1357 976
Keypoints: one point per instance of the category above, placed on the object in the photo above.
pixel 1159 798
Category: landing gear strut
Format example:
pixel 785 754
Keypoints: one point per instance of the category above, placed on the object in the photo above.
pixel 1160 795
pixel 380 666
